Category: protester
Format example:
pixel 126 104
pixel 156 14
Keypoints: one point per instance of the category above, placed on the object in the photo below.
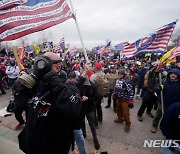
pixel 96 78
pixel 89 95
pixel 111 77
pixel 124 94
pixel 78 122
pixel 171 94
pixel 12 72
pixel 54 105
pixel 149 97
pixel 21 99
pixel 170 127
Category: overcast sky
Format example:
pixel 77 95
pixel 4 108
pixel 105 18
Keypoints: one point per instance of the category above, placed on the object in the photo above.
pixel 116 20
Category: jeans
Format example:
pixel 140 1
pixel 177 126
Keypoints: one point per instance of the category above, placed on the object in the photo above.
pixel 78 135
pixel 148 101
pixel 98 109
pixel 90 118
pixel 18 113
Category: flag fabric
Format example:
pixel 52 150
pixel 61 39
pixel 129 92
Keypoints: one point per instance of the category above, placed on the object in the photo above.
pixel 57 48
pixel 28 50
pixel 165 59
pixel 175 53
pixel 37 49
pixel 154 42
pixel 32 16
pixel 106 49
pixel 96 50
pixel 72 52
pixel 48 44
pixel 121 46
pixel 4 5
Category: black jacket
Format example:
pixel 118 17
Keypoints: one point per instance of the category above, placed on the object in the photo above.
pixel 91 93
pixel 49 128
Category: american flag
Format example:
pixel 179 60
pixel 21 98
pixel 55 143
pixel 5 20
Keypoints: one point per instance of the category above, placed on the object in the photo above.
pixel 20 19
pixel 121 46
pixel 60 45
pixel 154 42
pixel 57 48
pixel 96 50
pixel 106 49
pixel 72 52
pixel 175 53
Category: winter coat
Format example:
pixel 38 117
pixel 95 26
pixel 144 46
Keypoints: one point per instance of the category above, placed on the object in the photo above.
pixel 49 128
pixel 123 90
pixel 171 91
pixel 170 123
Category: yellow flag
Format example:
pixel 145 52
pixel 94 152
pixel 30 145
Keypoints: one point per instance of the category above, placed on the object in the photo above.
pixel 37 49
pixel 165 59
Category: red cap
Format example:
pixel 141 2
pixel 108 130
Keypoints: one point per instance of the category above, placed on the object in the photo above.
pixel 76 66
pixel 102 63
pixel 98 66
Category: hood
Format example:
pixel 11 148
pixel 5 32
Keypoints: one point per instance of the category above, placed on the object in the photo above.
pixel 175 71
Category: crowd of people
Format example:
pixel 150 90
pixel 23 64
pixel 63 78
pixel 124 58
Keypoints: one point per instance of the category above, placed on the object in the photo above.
pixel 69 90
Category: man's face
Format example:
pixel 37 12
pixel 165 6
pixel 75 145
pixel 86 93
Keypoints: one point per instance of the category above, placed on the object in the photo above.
pixel 56 67
pixel 173 76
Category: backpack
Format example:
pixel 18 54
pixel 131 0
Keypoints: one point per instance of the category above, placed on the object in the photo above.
pixel 102 85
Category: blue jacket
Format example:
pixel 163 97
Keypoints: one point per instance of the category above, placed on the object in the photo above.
pixel 170 124
pixel 171 91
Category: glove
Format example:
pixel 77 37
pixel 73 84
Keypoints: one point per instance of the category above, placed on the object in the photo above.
pixel 130 106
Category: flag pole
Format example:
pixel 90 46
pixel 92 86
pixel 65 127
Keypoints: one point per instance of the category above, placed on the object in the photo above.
pixel 77 25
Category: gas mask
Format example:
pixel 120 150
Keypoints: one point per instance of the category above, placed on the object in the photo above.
pixel 42 65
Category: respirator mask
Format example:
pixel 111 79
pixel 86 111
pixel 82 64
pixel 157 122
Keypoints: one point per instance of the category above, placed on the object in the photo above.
pixel 42 65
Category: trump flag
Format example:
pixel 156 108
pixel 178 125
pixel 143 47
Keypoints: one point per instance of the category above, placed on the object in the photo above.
pixel 22 17
pixel 154 42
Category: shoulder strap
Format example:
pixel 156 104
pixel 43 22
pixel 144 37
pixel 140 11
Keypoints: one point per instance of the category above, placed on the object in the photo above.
pixel 43 96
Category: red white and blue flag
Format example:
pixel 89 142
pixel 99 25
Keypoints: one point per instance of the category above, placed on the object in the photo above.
pixel 154 42
pixel 22 17
pixel 175 53
pixel 121 46
pixel 106 49
pixel 59 46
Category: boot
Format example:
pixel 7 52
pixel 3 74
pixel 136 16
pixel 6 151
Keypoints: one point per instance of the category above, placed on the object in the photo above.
pixel 118 121
pixel 127 128
pixel 153 129
pixel 96 144
pixel 139 118
pixel 150 114
pixel 107 106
